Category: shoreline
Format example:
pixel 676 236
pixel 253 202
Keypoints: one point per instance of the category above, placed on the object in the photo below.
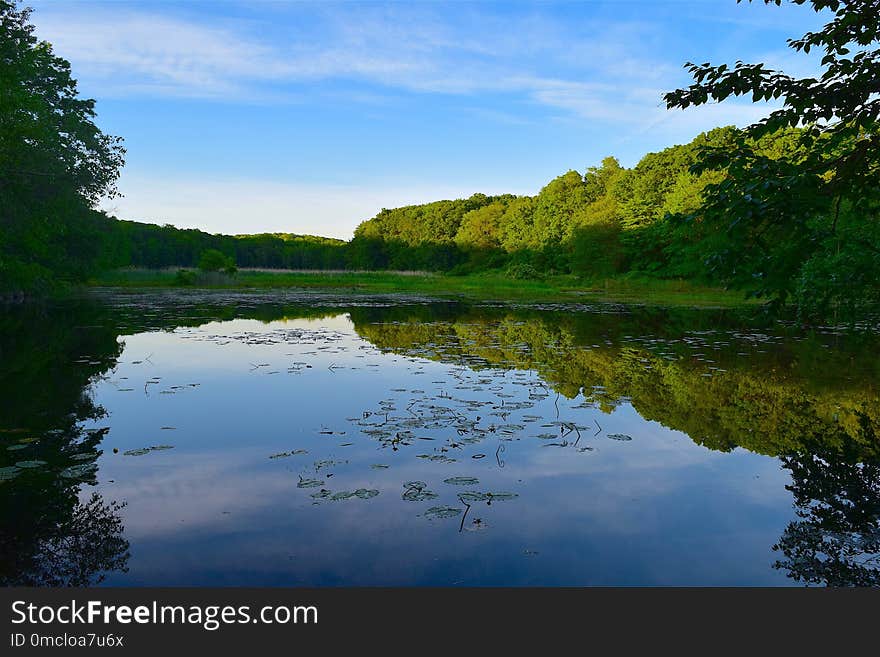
pixel 479 287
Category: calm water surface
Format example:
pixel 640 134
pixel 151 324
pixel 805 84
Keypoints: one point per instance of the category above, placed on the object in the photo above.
pixel 233 439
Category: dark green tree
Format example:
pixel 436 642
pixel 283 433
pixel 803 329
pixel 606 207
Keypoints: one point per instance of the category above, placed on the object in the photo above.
pixel 213 260
pixel 771 216
pixel 55 163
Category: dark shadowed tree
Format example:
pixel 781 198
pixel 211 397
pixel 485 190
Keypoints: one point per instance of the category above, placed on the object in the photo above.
pixel 55 163
pixel 213 260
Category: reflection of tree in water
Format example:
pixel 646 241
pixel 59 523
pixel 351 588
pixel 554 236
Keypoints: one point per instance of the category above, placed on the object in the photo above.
pixel 88 543
pixel 725 387
pixel 836 540
pixel 48 535
pixel 703 386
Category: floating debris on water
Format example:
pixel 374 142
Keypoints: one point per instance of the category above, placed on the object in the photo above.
pixel 327 463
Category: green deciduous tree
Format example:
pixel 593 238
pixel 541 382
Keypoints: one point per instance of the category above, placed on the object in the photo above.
pixel 55 163
pixel 213 260
pixel 480 228
pixel 775 212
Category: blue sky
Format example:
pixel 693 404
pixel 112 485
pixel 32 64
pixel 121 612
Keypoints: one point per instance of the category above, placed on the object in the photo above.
pixel 250 116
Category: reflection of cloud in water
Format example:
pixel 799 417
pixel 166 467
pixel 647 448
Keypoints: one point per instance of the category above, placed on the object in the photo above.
pixel 584 504
pixel 656 509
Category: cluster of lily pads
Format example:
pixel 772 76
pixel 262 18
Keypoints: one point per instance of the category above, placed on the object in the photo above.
pixel 146 450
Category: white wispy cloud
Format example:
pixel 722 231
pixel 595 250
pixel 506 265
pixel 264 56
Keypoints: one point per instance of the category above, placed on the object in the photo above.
pixel 126 52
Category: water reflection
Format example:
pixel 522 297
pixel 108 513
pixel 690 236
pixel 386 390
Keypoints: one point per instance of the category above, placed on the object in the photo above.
pixel 836 539
pixel 51 536
pixel 256 451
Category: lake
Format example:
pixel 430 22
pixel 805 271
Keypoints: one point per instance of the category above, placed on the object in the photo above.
pixel 286 438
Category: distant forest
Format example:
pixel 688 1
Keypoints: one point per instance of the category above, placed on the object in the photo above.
pixel 786 209
pixel 605 221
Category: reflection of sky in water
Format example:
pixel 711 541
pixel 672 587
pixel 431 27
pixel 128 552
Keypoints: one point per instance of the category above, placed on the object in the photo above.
pixel 216 509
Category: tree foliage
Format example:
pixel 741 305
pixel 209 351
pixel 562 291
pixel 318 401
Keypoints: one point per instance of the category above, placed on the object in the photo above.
pixel 212 260
pixel 55 163
pixel 776 218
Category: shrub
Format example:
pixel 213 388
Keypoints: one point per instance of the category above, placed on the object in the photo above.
pixel 214 260
pixel 185 277
pixel 523 271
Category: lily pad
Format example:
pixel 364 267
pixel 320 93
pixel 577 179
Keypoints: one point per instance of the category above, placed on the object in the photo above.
pixel 461 481
pixel 418 495
pixel 439 512
pixel 76 471
pixel 416 491
pixel 7 473
pixel 473 497
pixel 146 450
pixel 30 464
pixel 619 436
pixel 362 493
pixel 436 458
pixel 309 483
